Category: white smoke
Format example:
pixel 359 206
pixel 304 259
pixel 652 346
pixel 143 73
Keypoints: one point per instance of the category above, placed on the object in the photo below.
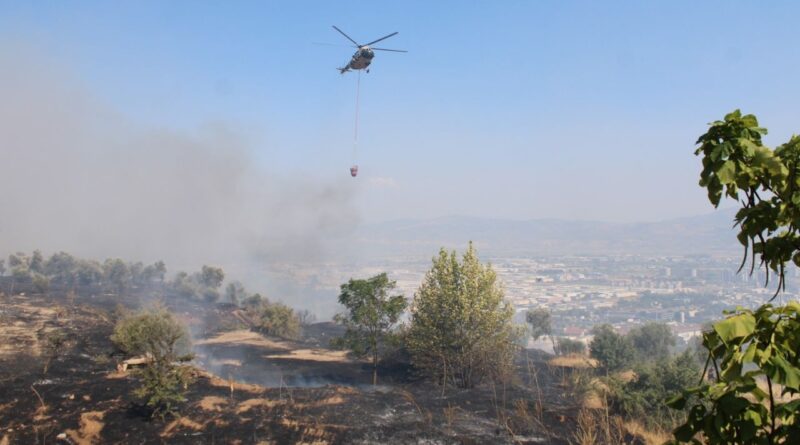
pixel 79 176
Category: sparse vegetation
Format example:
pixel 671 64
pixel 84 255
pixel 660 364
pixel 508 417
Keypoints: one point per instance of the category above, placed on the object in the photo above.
pixel 371 316
pixel 461 328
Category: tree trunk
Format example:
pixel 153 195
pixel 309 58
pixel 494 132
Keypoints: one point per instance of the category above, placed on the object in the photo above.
pixel 374 369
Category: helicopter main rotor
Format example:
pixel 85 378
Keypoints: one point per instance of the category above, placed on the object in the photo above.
pixel 367 45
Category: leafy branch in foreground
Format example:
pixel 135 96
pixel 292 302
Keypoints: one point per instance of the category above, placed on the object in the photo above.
pixel 753 354
pixel 767 184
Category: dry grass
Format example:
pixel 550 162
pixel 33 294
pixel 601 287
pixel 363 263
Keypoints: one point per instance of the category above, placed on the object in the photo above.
pixel 245 337
pixel 212 403
pixel 649 437
pixel 314 355
pixel 90 427
pixel 573 361
pixel 183 422
pixel 249 404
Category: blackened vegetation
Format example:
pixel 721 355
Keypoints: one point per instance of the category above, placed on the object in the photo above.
pixel 83 396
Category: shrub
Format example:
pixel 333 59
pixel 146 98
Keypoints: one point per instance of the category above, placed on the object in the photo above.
pixel 278 320
pixel 156 335
pixel 565 346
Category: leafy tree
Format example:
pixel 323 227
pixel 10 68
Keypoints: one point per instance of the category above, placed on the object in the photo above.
pixel 754 354
pixel 89 273
pixel 40 282
pixel 182 285
pixel 371 315
pixel 565 346
pixel 61 267
pixel 117 274
pixel 136 271
pixel 36 264
pixel 254 301
pixel 277 319
pixel 643 397
pixel 157 335
pixel 461 329
pixel 652 341
pixel 614 351
pixel 539 320
pixel 212 277
pixel 20 265
pixel 2 267
pixel 235 292
pixel 159 271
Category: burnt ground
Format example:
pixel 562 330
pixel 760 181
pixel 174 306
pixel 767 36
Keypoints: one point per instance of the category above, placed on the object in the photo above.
pixel 307 393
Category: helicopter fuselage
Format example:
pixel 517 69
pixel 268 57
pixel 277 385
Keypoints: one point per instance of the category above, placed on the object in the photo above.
pixel 360 60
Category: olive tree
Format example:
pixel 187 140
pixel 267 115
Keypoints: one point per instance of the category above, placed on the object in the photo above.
pixel 372 312
pixel 540 324
pixel 164 342
pixel 276 319
pixel 754 354
pixel 461 329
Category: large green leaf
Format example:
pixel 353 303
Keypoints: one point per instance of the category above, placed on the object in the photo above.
pixel 735 327
pixel 727 173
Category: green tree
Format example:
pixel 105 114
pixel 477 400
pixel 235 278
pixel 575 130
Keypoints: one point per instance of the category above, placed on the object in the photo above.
pixel 754 354
pixel 235 292
pixel 566 346
pixel 157 335
pixel 89 273
pixel 2 267
pixel 461 327
pixel 371 315
pixel 117 274
pixel 19 264
pixel 643 397
pixel 61 267
pixel 36 264
pixel 540 322
pixel 212 277
pixel 612 350
pixel 277 319
pixel 652 341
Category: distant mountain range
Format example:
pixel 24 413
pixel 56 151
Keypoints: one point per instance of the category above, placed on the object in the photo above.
pixel 698 235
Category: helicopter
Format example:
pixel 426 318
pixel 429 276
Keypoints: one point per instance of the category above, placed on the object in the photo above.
pixel 363 56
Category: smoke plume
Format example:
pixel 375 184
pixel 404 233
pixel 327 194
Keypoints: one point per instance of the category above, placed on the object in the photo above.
pixel 77 175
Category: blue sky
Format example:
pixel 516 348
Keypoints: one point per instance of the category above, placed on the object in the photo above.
pixel 583 110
